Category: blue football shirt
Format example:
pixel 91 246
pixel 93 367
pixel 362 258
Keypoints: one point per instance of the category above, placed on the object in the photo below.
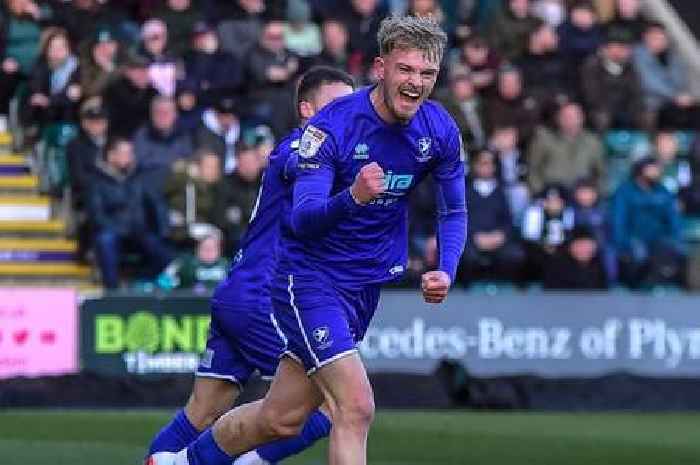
pixel 329 235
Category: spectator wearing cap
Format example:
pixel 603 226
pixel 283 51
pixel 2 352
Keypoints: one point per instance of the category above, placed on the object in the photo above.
pixel 546 223
pixel 646 228
pixel 465 106
pixel 301 35
pixel 566 154
pixel 210 73
pixel 162 67
pixel 54 86
pixel 492 252
pixel 98 64
pixel 610 86
pixel 664 79
pixel 511 106
pixel 123 208
pixel 83 18
pixel 180 16
pixel 160 143
pixel 128 97
pixel 482 63
pixel 510 28
pixel 239 25
pixel 241 191
pixel 580 35
pixel 577 265
pixel 547 77
pixel 271 71
pixel 219 131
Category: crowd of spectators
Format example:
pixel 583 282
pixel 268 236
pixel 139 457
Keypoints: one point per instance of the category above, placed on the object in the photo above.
pixel 177 104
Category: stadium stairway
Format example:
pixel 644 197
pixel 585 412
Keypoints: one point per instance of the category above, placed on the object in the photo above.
pixel 33 245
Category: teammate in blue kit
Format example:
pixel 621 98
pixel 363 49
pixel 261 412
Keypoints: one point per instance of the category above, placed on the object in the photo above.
pixel 243 336
pixel 359 159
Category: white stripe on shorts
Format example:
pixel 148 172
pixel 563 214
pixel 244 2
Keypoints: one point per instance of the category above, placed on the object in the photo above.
pixel 301 325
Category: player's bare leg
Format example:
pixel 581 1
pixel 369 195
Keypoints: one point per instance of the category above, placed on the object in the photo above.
pixel 350 402
pixel 281 414
pixel 210 398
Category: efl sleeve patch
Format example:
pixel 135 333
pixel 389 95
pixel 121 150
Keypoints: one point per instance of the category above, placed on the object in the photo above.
pixel 311 141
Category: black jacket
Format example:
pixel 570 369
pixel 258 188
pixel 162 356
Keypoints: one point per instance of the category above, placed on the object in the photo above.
pixel 126 204
pixel 82 154
pixel 128 106
pixel 212 76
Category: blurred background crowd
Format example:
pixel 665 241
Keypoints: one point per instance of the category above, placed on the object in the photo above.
pixel 153 120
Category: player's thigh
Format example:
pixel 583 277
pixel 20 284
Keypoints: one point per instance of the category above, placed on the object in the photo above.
pixel 346 389
pixel 210 398
pixel 291 398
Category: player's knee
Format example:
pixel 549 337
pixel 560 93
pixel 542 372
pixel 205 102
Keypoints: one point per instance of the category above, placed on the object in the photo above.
pixel 356 414
pixel 203 412
pixel 280 425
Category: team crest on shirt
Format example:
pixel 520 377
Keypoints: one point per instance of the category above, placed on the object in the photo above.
pixel 361 152
pixel 311 141
pixel 424 146
pixel 322 336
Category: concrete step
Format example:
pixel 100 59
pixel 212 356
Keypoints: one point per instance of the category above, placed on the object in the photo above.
pixel 25 208
pixel 50 228
pixel 45 270
pixel 22 182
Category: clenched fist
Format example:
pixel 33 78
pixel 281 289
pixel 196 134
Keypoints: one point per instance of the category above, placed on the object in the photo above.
pixel 369 183
pixel 435 285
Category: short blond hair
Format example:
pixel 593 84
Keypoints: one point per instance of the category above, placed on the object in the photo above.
pixel 411 32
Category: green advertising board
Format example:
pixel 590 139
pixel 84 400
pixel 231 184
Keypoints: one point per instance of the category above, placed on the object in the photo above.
pixel 143 335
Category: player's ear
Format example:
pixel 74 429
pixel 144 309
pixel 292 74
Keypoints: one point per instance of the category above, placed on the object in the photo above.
pixel 306 110
pixel 379 67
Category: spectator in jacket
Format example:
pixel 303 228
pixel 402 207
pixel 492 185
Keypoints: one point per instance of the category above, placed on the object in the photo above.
pixel 646 228
pixel 577 265
pixel 86 149
pixel 193 193
pixel 219 131
pixel 566 154
pixel 271 70
pixel 239 28
pixel 128 98
pixel 236 205
pixel 98 63
pixel 546 224
pixel 675 172
pixel 201 271
pixel 54 87
pixel 123 208
pixel 511 168
pixel 362 19
pixel 493 251
pixel 210 73
pixel 509 30
pixel 301 35
pixel 335 40
pixel 510 106
pixel 610 86
pixel 179 17
pixel 160 143
pixel 162 67
pixel 664 79
pixel 690 195
pixel 580 35
pixel 476 57
pixel 22 25
pixel 629 18
pixel 545 73
pixel 461 101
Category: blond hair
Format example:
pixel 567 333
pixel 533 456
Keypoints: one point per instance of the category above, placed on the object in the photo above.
pixel 410 32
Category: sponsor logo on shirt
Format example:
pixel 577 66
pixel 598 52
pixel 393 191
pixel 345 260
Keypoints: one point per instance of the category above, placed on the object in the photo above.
pixel 361 152
pixel 397 182
pixel 424 145
pixel 396 270
pixel 311 141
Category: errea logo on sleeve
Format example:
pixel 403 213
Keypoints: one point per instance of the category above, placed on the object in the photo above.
pixel 311 141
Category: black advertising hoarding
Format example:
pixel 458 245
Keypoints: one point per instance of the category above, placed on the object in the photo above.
pixel 143 335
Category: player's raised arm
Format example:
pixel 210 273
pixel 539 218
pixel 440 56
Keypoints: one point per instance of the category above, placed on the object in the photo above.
pixel 314 209
pixel 451 221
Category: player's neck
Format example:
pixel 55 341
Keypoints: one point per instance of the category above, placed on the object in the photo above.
pixel 376 98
